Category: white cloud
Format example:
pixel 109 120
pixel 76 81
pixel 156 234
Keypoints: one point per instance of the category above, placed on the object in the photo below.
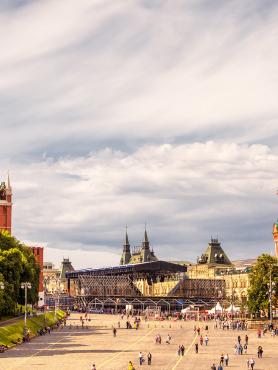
pixel 186 193
pixel 123 70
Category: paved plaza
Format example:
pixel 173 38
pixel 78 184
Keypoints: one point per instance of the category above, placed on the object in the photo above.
pixel 77 348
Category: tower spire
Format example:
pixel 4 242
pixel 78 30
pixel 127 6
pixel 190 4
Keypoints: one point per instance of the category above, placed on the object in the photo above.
pixel 126 255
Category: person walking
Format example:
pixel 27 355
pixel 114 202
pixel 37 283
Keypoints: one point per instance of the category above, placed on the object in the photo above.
pixel 206 340
pixel 248 363
pixel 245 348
pixel 130 366
pixel 182 350
pixel 149 358
pixel 252 363
pixel 196 348
pixel 179 351
pixel 226 359
pixel 213 367
pixel 93 367
pixel 201 340
pixel 114 332
pixel 246 339
pixel 220 367
pixel 141 358
pixel 222 359
pixel 260 352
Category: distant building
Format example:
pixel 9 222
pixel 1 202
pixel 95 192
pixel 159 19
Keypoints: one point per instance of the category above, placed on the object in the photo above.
pixel 54 278
pixel 6 206
pixel 139 254
pixel 214 264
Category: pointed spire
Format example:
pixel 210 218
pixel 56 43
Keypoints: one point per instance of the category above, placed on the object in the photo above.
pixel 126 236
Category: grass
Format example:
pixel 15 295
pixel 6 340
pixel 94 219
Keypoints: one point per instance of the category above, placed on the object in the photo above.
pixel 9 334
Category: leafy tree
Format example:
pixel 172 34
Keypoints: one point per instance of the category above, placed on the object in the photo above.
pixel 258 293
pixel 17 264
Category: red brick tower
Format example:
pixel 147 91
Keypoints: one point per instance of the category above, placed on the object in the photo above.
pixel 38 254
pixel 6 206
pixel 275 237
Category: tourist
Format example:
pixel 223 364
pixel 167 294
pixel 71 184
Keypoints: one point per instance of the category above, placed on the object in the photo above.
pixel 213 367
pixel 149 358
pixel 168 340
pixel 196 348
pixel 222 359
pixel 246 339
pixel 201 340
pixel 252 363
pixel 220 367
pixel 248 363
pixel 226 359
pixel 179 351
pixel 93 367
pixel 114 332
pixel 245 348
pixel 260 352
pixel 206 340
pixel 130 366
pixel 141 359
pixel 182 350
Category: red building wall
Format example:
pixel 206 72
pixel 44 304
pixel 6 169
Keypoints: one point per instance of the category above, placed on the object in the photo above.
pixel 38 254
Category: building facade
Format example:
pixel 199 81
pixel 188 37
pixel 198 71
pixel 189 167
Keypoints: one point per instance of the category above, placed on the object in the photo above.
pixel 6 206
pixel 139 254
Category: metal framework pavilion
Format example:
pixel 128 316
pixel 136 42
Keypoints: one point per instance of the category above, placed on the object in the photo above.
pixel 115 286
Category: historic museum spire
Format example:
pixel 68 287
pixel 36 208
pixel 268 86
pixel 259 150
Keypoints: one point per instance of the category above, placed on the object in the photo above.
pixel 126 250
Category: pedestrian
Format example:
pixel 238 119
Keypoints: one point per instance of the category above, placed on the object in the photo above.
pixel 245 348
pixel 196 347
pixel 248 364
pixel 213 367
pixel 179 351
pixel 206 340
pixel 222 359
pixel 149 358
pixel 226 359
pixel 182 350
pixel 130 366
pixel 260 352
pixel 94 367
pixel 246 339
pixel 252 363
pixel 114 332
pixel 220 367
pixel 141 358
pixel 201 340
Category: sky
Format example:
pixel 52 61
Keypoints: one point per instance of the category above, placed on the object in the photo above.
pixel 118 113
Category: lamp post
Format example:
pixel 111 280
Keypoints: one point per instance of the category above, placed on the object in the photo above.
pixel 25 286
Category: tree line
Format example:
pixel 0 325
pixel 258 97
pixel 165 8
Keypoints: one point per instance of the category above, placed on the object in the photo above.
pixel 17 265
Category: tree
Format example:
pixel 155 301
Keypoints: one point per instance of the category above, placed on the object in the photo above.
pixel 17 264
pixel 258 293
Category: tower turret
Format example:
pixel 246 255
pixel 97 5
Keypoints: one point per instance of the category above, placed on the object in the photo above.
pixel 126 250
pixel 275 237
pixel 6 206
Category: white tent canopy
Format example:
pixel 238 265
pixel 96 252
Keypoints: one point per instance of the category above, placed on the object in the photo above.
pixel 185 310
pixel 232 308
pixel 217 309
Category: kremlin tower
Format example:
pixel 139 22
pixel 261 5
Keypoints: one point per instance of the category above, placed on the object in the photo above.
pixel 6 206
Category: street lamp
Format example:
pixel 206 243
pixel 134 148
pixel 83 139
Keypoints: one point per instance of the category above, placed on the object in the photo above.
pixel 2 286
pixel 25 286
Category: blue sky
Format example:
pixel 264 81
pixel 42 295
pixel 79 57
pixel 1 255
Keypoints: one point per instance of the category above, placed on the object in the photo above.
pixel 116 113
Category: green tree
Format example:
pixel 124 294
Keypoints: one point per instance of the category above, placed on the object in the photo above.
pixel 17 264
pixel 258 293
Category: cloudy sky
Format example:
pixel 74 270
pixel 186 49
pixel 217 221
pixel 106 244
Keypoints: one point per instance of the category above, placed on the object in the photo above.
pixel 126 112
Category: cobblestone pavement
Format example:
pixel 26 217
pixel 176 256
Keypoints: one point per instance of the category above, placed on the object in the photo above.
pixel 77 348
